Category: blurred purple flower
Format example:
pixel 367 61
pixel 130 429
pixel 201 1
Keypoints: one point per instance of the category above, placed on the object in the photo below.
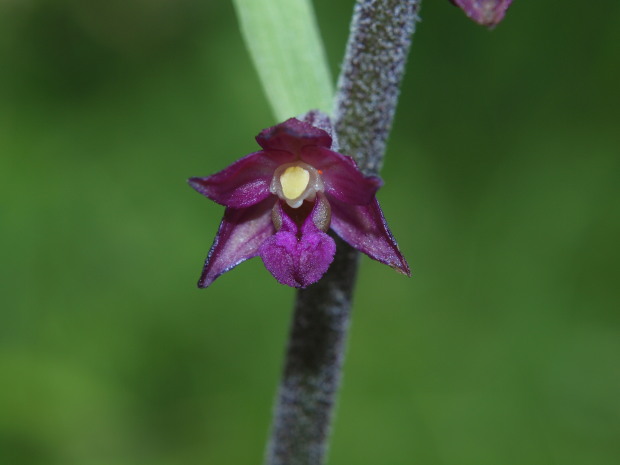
pixel 486 12
pixel 281 200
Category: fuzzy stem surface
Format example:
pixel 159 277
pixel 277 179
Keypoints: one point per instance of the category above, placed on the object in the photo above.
pixel 365 104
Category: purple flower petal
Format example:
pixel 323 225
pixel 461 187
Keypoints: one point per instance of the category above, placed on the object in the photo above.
pixel 241 233
pixel 298 263
pixel 245 182
pixel 298 258
pixel 343 180
pixel 486 12
pixel 292 135
pixel 365 228
pixel 300 252
pixel 320 120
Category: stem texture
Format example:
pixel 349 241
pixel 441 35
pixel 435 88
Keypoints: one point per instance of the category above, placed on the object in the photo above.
pixel 365 104
pixel 369 83
pixel 313 361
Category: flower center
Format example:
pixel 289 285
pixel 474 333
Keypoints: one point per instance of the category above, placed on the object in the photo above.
pixel 294 181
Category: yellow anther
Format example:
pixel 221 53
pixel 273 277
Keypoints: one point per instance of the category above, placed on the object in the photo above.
pixel 294 181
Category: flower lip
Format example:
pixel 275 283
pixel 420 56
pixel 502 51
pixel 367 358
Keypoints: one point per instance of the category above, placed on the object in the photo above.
pixel 300 252
pixel 296 182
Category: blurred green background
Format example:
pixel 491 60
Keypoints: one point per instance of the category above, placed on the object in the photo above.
pixel 501 186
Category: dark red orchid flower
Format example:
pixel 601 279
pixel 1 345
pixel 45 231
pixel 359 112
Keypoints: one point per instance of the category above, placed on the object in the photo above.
pixel 281 201
pixel 486 12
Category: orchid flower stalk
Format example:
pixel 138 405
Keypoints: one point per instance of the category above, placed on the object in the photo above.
pixel 365 104
pixel 305 202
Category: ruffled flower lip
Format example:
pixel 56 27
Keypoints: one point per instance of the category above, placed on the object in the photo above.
pixel 281 201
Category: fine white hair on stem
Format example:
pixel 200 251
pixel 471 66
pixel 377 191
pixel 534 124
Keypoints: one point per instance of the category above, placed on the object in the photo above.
pixel 369 83
pixel 365 104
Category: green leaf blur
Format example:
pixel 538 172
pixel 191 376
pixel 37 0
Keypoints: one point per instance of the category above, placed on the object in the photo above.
pixel 283 40
pixel 501 186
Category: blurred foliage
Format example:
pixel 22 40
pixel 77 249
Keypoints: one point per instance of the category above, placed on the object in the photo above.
pixel 501 187
pixel 290 61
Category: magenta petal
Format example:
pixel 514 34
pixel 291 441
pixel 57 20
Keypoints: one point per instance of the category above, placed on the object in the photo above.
pixel 485 12
pixel 298 260
pixel 365 228
pixel 292 135
pixel 298 263
pixel 241 233
pixel 343 180
pixel 244 183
